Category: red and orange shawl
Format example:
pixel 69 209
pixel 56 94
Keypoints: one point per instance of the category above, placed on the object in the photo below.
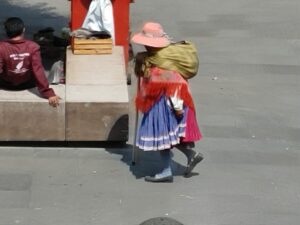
pixel 162 82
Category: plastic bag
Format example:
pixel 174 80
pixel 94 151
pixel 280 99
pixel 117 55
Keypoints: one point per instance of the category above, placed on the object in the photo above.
pixel 57 75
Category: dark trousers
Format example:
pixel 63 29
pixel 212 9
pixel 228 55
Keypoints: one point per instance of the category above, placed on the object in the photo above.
pixel 24 86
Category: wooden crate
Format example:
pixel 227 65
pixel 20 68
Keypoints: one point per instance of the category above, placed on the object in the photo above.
pixel 92 46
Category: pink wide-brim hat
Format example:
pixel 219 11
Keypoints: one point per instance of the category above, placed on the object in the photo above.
pixel 152 35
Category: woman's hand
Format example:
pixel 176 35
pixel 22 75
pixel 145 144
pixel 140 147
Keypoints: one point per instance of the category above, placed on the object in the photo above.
pixel 179 113
pixel 139 61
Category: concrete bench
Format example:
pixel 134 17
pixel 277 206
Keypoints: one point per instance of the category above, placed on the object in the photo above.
pixel 96 97
pixel 25 116
pixel 94 105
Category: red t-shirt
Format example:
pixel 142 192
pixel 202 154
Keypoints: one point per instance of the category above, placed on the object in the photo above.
pixel 20 62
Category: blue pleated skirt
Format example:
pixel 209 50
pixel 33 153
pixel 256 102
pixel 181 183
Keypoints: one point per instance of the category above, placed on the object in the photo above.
pixel 159 128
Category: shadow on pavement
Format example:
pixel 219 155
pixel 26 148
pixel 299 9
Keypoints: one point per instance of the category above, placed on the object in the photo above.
pixel 66 144
pixel 149 163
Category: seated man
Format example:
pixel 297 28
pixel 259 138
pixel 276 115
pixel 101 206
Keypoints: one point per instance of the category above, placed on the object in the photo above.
pixel 20 62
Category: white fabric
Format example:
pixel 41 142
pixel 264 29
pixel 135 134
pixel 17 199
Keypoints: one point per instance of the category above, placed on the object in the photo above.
pixel 100 17
pixel 177 102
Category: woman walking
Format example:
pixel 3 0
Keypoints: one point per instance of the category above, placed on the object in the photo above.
pixel 169 118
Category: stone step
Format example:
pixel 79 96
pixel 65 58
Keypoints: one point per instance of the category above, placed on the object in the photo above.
pixel 97 97
pixel 25 116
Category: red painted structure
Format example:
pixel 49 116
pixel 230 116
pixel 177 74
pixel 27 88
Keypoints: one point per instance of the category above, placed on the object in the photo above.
pixel 79 9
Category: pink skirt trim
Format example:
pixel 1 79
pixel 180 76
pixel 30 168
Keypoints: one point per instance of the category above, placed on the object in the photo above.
pixel 192 133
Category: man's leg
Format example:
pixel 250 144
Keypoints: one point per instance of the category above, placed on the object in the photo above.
pixel 7 86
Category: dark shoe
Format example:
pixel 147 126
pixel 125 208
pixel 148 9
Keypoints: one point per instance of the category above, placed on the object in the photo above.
pixel 194 161
pixel 161 179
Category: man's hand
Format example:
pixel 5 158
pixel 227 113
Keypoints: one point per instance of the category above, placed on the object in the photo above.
pixel 54 101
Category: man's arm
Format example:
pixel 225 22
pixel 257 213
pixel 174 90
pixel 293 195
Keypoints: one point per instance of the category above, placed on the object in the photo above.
pixel 41 80
pixel 39 75
pixel 1 62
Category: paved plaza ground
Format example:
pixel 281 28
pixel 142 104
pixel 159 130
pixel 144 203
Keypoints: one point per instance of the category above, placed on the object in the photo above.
pixel 247 98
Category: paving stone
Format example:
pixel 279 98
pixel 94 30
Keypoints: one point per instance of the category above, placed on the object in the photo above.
pixel 15 182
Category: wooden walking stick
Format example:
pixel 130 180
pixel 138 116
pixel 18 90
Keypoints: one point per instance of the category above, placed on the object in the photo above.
pixel 134 147
pixel 139 61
